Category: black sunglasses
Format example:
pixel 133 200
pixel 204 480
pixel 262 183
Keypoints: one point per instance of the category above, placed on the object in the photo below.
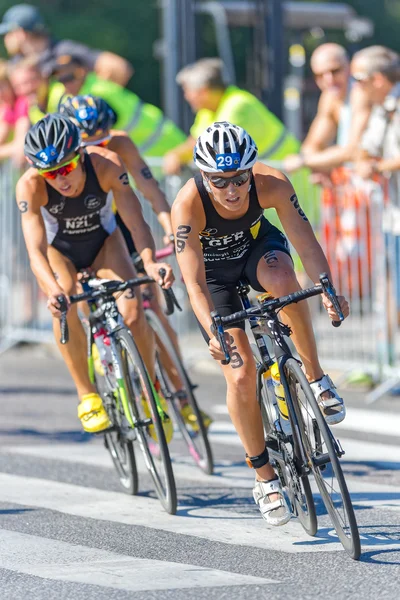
pixel 223 182
pixel 67 78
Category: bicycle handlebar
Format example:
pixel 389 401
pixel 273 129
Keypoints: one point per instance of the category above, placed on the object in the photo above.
pixel 107 289
pixel 273 304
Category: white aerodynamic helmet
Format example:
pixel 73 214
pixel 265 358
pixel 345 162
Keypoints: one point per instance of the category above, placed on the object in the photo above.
pixel 225 147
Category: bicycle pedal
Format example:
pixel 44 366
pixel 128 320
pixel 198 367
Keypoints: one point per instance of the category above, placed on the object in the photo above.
pixel 194 386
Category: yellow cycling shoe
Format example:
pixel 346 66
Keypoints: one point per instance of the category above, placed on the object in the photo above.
pixel 92 413
pixel 97 360
pixel 190 418
pixel 168 426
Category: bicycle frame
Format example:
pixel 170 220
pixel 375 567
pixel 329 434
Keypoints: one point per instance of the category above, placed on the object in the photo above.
pixel 282 354
pixel 104 312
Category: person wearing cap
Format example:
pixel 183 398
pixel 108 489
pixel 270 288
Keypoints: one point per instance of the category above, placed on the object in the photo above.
pixel 25 34
pixel 212 100
pixel 146 125
pixel 342 114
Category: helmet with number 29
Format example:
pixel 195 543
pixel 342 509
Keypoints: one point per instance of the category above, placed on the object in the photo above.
pixel 225 147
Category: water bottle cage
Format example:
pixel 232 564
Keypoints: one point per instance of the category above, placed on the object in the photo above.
pixel 256 462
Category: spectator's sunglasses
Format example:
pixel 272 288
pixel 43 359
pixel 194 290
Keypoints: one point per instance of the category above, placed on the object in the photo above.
pixel 66 78
pixel 361 77
pixel 102 142
pixel 223 182
pixel 333 72
pixel 64 170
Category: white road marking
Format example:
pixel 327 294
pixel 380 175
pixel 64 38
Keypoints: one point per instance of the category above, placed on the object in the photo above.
pixel 237 524
pixel 53 559
pixel 357 419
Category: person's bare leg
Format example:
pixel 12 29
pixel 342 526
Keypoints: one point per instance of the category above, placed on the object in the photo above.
pixel 276 275
pixel 241 400
pixel 114 262
pixel 73 353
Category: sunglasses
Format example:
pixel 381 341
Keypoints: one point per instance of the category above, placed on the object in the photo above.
pixel 223 182
pixel 331 71
pixel 360 77
pixel 67 78
pixel 64 170
pixel 103 142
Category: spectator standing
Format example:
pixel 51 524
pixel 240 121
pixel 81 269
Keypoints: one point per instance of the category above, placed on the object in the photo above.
pixel 212 100
pixel 25 34
pixel 342 114
pixel 14 121
pixel 42 95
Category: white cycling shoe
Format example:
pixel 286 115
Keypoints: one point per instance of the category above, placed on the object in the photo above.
pixel 275 512
pixel 332 408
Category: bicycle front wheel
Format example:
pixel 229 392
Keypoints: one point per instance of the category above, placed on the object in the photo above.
pixel 141 404
pixel 297 486
pixel 322 454
pixel 196 440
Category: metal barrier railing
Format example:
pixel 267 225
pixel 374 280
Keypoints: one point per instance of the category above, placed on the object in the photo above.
pixel 347 218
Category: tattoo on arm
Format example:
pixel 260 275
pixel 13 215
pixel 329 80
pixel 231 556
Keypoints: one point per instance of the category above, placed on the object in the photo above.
pixel 294 200
pixel 147 174
pixel 23 206
pixel 182 234
pixel 124 179
pixel 271 258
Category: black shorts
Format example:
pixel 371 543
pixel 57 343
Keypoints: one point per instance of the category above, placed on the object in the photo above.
pixel 222 282
pixel 82 254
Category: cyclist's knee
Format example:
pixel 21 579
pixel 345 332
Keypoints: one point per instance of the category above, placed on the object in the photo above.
pixel 241 376
pixel 135 320
pixel 282 281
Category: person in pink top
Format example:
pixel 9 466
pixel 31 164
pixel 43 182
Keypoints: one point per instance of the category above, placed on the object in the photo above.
pixel 14 120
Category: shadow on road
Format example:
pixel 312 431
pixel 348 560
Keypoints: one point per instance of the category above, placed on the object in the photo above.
pixel 51 436
pixel 37 390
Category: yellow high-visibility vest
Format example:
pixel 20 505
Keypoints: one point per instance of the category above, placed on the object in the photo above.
pixel 241 108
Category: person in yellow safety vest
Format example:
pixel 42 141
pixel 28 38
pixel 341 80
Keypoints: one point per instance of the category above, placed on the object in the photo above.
pixel 43 95
pixel 212 100
pixel 149 129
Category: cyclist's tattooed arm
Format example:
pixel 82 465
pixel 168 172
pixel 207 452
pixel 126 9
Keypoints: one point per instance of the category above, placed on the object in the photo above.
pixel 31 195
pixel 144 180
pixel 23 206
pixel 294 200
pixel 182 234
pixel 124 179
pixel 276 191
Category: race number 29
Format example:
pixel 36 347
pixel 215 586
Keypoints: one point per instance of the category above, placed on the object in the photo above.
pixel 228 162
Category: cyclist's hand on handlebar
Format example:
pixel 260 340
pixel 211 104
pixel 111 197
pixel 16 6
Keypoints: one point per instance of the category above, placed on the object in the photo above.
pixel 344 305
pixel 53 303
pixel 215 348
pixel 154 271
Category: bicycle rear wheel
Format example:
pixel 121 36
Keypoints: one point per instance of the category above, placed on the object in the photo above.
pixel 321 451
pixel 297 486
pixel 141 397
pixel 123 457
pixel 197 442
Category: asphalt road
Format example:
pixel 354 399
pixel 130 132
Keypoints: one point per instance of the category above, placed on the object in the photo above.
pixel 66 530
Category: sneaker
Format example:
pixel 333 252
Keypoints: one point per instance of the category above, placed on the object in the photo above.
pixel 332 408
pixel 92 413
pixel 275 512
pixel 190 418
pixel 167 423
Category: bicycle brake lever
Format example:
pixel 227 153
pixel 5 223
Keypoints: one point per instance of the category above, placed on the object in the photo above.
pixel 63 321
pixel 330 291
pixel 219 329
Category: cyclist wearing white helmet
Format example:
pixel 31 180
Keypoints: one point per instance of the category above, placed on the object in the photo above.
pixel 222 236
